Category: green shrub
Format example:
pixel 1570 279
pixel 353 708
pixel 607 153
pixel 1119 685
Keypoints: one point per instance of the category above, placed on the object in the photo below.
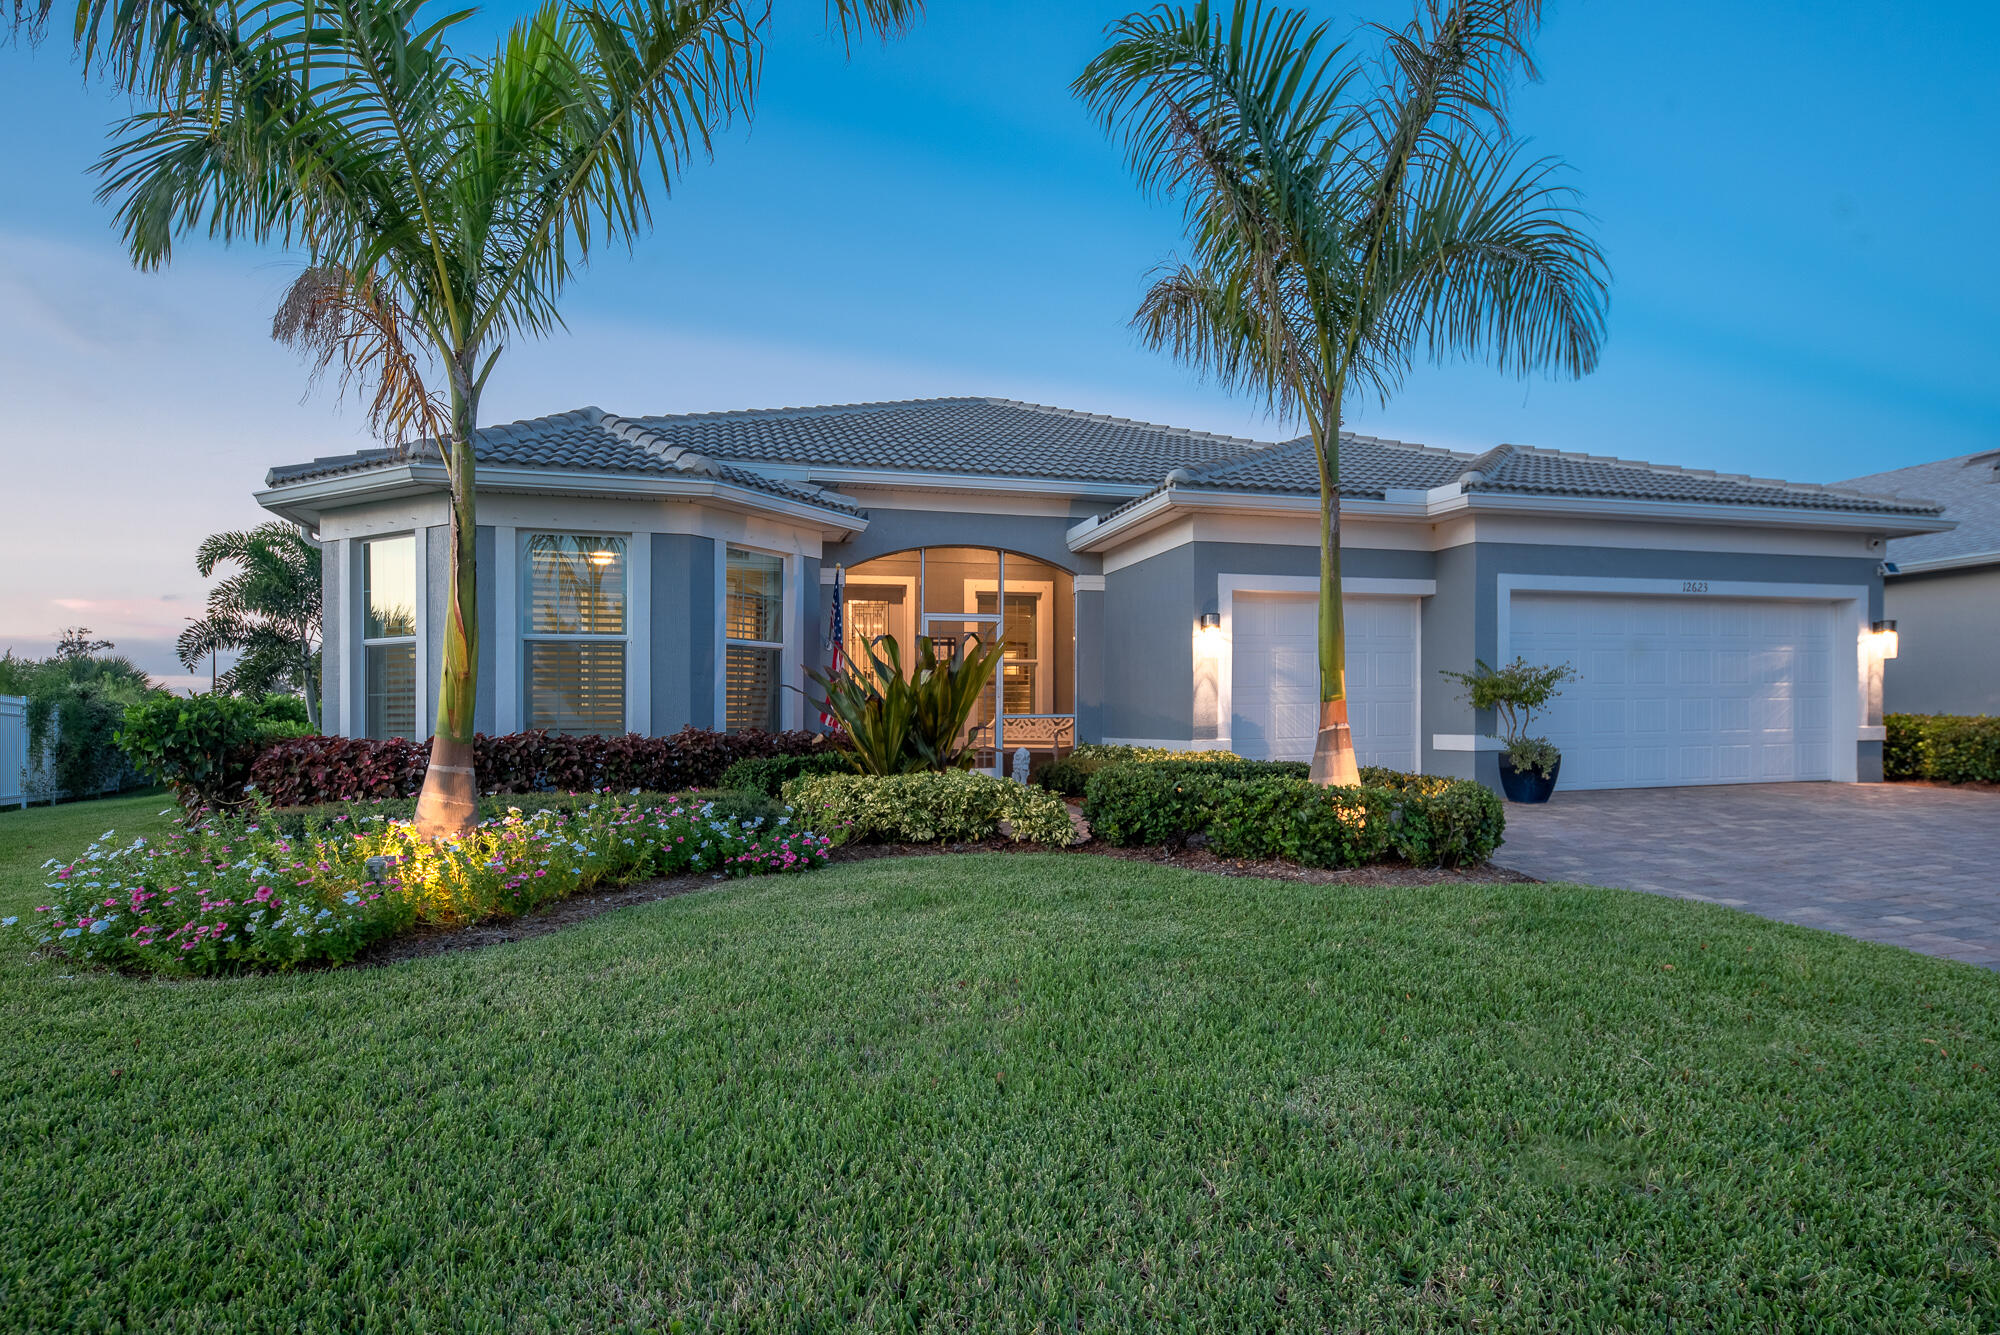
pixel 1249 811
pixel 745 806
pixel 1071 773
pixel 1948 748
pixel 770 774
pixel 202 746
pixel 739 805
pixel 76 700
pixel 950 806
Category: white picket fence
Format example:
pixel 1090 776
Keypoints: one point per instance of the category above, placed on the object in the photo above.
pixel 13 751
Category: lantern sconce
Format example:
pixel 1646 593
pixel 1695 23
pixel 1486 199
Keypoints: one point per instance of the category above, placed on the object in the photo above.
pixel 1211 621
pixel 1885 638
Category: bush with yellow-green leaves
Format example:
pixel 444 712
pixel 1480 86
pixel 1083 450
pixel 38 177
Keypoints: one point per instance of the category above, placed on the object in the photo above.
pixel 952 806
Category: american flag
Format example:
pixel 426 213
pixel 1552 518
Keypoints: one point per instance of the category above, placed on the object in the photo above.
pixel 836 635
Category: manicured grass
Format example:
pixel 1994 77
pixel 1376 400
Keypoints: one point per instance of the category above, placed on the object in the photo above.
pixel 1014 1092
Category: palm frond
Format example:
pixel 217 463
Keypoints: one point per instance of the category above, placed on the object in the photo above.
pixel 350 322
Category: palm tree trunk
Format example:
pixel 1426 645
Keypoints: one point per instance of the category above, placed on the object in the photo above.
pixel 1333 750
pixel 449 804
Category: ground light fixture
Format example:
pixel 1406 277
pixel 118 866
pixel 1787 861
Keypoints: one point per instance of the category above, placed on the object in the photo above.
pixel 1885 637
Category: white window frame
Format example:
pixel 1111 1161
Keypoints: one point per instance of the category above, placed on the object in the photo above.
pixel 790 703
pixel 524 608
pixel 419 639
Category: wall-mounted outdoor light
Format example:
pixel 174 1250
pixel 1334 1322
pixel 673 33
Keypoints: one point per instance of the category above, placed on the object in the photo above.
pixel 1884 633
pixel 1211 621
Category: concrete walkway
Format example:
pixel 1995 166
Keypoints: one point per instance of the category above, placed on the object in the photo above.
pixel 1908 865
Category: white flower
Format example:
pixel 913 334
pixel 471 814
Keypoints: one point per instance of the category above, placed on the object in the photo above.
pixel 69 932
pixel 8 922
pixel 99 926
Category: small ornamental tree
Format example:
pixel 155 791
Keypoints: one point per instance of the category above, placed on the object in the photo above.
pixel 1516 693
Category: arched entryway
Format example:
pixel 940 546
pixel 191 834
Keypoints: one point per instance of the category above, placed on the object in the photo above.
pixel 949 593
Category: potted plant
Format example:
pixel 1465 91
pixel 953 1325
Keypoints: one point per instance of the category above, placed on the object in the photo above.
pixel 1529 765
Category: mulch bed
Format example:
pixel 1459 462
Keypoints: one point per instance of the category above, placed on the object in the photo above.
pixel 1969 786
pixel 581 908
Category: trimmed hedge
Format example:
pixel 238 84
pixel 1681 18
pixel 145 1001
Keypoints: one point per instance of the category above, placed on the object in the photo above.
pixel 949 806
pixel 742 806
pixel 770 774
pixel 1420 819
pixel 1071 773
pixel 315 770
pixel 1948 748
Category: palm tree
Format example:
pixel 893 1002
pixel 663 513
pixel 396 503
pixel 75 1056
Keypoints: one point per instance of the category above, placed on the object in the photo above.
pixel 1342 217
pixel 268 611
pixel 444 200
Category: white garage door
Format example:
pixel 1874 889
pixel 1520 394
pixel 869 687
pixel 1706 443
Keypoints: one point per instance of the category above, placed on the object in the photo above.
pixel 1678 691
pixel 1274 675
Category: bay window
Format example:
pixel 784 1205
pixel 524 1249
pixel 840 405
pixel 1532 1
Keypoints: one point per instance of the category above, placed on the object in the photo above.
pixel 573 632
pixel 754 634
pixel 389 635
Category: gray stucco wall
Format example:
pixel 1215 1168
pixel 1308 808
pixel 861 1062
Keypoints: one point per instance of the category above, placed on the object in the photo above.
pixel 1948 661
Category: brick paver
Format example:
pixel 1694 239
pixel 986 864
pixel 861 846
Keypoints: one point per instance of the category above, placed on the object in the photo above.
pixel 1908 865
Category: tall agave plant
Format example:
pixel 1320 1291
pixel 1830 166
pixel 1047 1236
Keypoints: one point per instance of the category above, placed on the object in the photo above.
pixel 898 722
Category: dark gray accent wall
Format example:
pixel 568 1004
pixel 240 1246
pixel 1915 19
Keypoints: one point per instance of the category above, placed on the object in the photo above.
pixel 1090 642
pixel 1149 611
pixel 1449 625
pixel 682 621
pixel 437 602
pixel 333 640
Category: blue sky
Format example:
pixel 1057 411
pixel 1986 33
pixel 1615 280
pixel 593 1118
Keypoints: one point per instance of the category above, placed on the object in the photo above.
pixel 1796 200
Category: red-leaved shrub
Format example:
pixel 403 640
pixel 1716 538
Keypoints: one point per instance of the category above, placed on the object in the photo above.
pixel 306 771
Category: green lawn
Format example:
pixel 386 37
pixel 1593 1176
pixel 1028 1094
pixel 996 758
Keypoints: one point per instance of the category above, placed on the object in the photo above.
pixel 1015 1092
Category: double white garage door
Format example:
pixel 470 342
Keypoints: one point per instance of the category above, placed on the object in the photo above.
pixel 1671 691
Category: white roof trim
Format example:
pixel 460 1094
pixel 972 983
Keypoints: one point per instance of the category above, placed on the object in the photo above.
pixel 1097 535
pixel 304 501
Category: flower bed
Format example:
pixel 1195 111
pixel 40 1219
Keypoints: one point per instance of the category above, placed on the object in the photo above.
pixel 241 894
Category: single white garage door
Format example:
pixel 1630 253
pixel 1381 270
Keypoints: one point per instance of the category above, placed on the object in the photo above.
pixel 1274 676
pixel 1676 691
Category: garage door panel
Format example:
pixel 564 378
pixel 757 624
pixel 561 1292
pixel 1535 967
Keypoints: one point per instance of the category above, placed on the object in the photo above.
pixel 1275 677
pixel 1683 690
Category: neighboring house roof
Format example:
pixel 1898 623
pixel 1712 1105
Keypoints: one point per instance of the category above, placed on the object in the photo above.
pixel 588 440
pixel 1969 489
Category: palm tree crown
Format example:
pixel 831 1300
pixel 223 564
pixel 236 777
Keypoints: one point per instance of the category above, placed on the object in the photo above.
pixel 267 610
pixel 443 200
pixel 1345 216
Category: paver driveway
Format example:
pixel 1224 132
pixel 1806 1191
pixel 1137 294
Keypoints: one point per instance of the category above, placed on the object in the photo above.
pixel 1913 866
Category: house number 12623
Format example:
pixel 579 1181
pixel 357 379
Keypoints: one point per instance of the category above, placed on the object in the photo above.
pixel 1694 586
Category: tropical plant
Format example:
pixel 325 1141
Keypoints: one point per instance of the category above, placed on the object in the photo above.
pixel 203 746
pixel 443 200
pixel 1343 216
pixel 897 722
pixel 76 699
pixel 267 612
pixel 1516 693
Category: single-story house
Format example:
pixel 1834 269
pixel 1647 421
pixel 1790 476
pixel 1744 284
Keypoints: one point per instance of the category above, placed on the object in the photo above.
pixel 1155 586
pixel 1943 589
